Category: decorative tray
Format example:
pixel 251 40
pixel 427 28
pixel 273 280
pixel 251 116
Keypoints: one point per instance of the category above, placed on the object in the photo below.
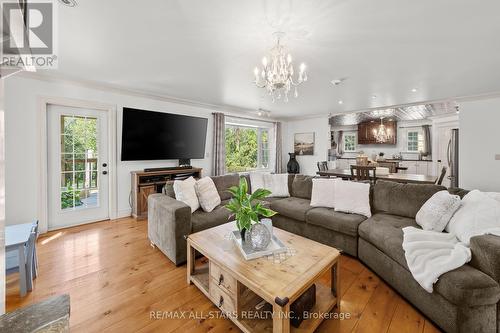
pixel 275 246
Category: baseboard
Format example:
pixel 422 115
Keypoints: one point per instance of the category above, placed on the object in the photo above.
pixel 123 213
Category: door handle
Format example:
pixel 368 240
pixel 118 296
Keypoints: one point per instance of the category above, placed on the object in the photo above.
pixel 104 165
pixel 104 172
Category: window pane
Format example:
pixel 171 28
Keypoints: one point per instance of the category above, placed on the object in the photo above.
pixel 241 148
pixel 79 172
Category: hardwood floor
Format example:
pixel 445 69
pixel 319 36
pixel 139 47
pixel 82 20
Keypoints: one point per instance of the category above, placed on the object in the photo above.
pixel 116 279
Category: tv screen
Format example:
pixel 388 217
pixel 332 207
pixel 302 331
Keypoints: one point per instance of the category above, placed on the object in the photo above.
pixel 149 135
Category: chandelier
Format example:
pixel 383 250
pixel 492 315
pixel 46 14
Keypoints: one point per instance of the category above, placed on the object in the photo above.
pixel 277 73
pixel 381 135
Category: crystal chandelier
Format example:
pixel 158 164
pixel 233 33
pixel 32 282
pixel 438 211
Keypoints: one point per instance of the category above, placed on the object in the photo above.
pixel 381 134
pixel 277 72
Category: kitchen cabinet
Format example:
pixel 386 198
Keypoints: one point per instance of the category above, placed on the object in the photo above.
pixel 418 167
pixel 367 130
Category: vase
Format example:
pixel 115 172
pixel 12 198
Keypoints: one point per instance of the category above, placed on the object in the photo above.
pixel 258 237
pixel 292 166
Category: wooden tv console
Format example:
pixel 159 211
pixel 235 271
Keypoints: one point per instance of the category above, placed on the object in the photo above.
pixel 145 183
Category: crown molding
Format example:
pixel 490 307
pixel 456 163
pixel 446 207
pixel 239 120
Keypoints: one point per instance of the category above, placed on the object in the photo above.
pixel 227 109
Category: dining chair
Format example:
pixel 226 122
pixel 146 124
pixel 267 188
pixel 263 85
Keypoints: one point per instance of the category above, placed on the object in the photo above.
pixel 441 176
pixel 361 173
pixel 322 166
pixel 35 257
pixel 29 253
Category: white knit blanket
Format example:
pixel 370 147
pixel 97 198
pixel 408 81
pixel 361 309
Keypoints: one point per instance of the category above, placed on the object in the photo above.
pixel 429 254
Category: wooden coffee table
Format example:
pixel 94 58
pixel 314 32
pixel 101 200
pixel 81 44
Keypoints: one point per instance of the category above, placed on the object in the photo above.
pixel 236 285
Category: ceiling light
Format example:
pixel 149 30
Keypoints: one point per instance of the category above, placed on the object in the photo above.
pixel 341 102
pixel 414 90
pixel 276 74
pixel 381 134
pixel 69 3
pixel 374 96
pixel 336 82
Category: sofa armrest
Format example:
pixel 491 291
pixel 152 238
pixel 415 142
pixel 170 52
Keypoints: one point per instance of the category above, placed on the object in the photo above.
pixel 169 220
pixel 486 255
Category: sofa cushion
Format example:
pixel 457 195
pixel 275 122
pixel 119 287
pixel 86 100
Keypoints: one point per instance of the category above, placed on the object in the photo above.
pixel 402 199
pixel 384 232
pixel 330 219
pixel 462 286
pixel 302 186
pixel 222 183
pixel 294 208
pixel 201 220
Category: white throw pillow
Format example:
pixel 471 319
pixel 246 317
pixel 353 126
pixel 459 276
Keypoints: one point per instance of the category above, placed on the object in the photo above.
pixel 277 184
pixel 185 192
pixel 437 211
pixel 352 197
pixel 256 181
pixel 479 214
pixel 323 192
pixel 207 194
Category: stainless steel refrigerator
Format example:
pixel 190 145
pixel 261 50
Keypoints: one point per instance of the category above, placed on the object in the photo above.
pixel 452 154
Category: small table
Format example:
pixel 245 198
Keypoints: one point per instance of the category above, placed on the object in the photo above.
pixel 16 237
pixel 236 285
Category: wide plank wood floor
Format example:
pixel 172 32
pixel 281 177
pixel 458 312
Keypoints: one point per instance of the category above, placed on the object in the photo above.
pixel 115 279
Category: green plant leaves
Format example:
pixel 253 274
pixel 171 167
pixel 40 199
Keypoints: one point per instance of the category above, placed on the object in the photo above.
pixel 247 208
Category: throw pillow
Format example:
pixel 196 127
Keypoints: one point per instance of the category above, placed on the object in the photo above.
pixel 277 184
pixel 207 194
pixel 302 186
pixel 479 214
pixel 352 197
pixel 323 192
pixel 185 192
pixel 256 181
pixel 437 211
pixel 168 189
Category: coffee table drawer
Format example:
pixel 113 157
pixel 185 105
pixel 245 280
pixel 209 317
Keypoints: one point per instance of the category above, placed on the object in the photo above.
pixel 223 279
pixel 221 299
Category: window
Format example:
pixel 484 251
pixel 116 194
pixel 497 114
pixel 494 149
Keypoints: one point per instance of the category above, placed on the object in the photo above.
pixel 248 145
pixel 350 142
pixel 415 141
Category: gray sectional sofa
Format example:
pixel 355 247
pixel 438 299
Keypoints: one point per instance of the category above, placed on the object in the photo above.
pixel 464 300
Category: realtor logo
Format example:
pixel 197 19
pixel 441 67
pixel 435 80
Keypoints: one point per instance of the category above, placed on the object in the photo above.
pixel 29 34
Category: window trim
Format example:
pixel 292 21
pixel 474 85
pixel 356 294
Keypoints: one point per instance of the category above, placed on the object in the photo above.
pixel 419 140
pixel 259 128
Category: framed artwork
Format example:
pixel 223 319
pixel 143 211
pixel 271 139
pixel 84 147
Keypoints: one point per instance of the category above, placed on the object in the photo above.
pixel 304 143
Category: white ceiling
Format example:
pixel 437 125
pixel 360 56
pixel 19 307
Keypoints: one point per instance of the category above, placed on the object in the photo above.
pixel 206 50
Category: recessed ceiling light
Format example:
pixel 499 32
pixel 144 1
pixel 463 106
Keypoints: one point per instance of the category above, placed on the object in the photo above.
pixel 374 96
pixel 414 90
pixel 341 102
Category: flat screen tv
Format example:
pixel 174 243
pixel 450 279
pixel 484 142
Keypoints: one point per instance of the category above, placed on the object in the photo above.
pixel 150 135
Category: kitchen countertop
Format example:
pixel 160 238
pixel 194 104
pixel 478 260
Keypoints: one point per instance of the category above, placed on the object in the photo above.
pixel 389 159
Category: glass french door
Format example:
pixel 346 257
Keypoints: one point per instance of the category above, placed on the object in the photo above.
pixel 77 166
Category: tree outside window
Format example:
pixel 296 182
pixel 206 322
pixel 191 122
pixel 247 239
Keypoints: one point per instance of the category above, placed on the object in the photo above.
pixel 247 148
pixel 350 142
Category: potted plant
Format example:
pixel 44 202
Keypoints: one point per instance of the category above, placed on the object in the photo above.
pixel 247 208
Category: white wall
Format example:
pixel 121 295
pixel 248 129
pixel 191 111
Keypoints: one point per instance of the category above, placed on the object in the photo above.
pixel 21 106
pixel 321 129
pixel 479 143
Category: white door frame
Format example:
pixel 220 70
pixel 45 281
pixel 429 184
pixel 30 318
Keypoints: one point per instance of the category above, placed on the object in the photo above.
pixel 44 102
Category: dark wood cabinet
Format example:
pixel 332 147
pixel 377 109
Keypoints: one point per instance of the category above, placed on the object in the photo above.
pixel 367 130
pixel 145 183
